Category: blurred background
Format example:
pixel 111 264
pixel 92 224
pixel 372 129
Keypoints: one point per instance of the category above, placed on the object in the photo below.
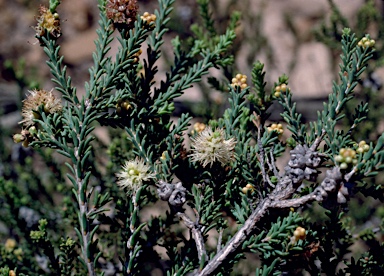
pixel 286 35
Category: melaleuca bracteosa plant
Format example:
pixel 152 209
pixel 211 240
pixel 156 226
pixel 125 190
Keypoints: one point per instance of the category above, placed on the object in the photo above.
pixel 218 194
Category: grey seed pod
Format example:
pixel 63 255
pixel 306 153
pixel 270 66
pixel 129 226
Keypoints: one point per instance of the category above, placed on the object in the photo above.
pixel 342 194
pixel 178 195
pixel 332 179
pixel 297 161
pixel 344 190
pixel 296 174
pixel 312 159
pixel 309 173
pixel 341 198
pixel 321 193
pixel 329 185
pixel 335 174
pixel 165 189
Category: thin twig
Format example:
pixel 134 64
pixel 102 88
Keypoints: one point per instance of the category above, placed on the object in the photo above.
pixel 261 158
pixel 272 163
pixel 196 235
pixel 219 240
pixel 318 140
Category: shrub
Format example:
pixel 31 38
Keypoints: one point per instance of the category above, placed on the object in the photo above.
pixel 218 194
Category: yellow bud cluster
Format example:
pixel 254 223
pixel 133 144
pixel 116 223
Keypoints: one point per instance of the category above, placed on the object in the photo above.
pixel 122 106
pixel 299 233
pixel 148 17
pixel 248 187
pixel 362 147
pixel 346 157
pixel 198 127
pixel 282 88
pixel 239 80
pixel 365 43
pixel 278 128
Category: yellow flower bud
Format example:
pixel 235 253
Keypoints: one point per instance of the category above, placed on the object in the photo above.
pixel 17 138
pixel 339 158
pixel 300 233
pixel 283 87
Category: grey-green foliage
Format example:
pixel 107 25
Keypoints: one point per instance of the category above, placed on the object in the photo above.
pixel 247 195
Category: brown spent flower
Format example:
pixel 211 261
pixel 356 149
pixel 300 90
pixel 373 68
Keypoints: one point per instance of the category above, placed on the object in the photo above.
pixel 48 21
pixel 35 99
pixel 122 12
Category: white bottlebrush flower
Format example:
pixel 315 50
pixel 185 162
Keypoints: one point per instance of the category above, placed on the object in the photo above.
pixel 133 173
pixel 35 99
pixel 210 146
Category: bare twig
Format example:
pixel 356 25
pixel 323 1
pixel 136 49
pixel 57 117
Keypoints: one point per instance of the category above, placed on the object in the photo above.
pixel 273 164
pixel 318 140
pixel 196 235
pixel 219 240
pixel 296 202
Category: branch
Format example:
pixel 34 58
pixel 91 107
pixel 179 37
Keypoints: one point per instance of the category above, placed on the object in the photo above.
pixel 196 234
pixel 296 202
pixel 301 157
pixel 237 239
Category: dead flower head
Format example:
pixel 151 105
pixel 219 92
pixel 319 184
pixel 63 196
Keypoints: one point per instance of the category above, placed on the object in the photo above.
pixel 122 12
pixel 48 21
pixel 35 99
